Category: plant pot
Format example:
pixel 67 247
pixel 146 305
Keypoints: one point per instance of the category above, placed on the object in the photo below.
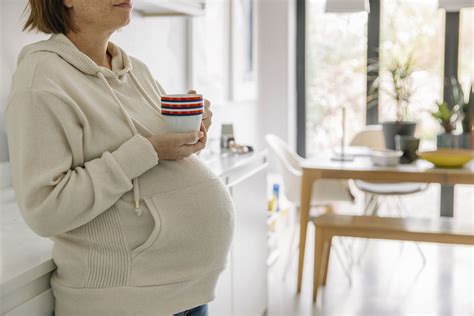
pixel 391 129
pixel 466 140
pixel 409 145
pixel 448 140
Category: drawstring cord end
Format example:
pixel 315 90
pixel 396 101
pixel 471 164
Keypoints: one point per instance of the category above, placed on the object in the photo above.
pixel 138 210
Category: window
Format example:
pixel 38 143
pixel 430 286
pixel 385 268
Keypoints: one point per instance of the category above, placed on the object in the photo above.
pixel 336 74
pixel 412 32
pixel 466 49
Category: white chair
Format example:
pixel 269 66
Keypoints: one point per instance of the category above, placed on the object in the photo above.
pixel 324 191
pixel 372 136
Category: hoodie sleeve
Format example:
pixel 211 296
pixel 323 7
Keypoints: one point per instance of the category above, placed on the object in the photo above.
pixel 53 196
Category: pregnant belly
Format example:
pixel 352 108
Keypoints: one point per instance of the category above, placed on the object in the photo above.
pixel 192 233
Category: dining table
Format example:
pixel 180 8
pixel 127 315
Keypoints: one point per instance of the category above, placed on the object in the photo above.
pixel 324 166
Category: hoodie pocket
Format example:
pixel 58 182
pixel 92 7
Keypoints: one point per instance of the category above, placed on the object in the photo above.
pixel 193 236
pixel 155 232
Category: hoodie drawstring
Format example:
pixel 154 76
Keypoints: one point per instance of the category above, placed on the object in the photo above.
pixel 136 192
pixel 151 103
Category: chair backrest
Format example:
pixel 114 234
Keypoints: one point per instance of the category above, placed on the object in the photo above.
pixel 370 136
pixel 288 165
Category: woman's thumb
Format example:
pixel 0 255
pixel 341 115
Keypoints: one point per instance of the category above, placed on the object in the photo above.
pixel 192 91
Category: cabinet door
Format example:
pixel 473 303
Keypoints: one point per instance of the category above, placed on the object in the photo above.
pixel 249 252
pixel 41 305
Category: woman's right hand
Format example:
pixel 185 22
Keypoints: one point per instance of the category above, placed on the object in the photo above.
pixel 173 146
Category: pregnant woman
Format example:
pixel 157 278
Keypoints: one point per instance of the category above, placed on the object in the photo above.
pixel 140 225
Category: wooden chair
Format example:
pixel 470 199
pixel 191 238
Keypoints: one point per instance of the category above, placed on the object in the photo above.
pixel 383 193
pixel 443 230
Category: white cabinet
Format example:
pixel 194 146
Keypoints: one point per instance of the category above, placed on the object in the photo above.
pixel 247 262
pixel 41 305
pixel 249 252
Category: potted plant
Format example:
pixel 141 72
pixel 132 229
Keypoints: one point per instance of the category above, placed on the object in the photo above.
pixel 452 113
pixel 448 118
pixel 401 90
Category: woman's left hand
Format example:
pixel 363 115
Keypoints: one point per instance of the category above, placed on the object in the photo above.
pixel 207 114
pixel 203 139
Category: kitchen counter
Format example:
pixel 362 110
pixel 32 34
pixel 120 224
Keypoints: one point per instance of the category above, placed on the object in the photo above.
pixel 27 256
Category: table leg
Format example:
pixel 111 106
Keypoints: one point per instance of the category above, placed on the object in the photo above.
pixel 305 204
pixel 446 205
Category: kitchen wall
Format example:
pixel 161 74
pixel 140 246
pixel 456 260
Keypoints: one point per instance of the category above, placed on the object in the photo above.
pixel 277 68
pixel 162 44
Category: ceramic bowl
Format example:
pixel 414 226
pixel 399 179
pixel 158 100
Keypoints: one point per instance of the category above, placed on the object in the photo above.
pixel 448 157
pixel 386 157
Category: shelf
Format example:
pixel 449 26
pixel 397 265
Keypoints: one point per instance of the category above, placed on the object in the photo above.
pixel 272 257
pixel 272 217
pixel 170 7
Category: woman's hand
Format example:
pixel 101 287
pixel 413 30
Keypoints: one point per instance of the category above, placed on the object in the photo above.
pixel 207 115
pixel 203 139
pixel 174 146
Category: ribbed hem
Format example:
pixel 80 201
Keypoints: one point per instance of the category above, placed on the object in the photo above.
pixel 157 300
pixel 136 156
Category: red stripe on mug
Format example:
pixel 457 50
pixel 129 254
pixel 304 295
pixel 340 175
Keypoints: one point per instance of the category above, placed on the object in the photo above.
pixel 185 105
pixel 181 112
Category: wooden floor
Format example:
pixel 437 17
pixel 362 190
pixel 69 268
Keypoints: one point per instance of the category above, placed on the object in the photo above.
pixel 391 279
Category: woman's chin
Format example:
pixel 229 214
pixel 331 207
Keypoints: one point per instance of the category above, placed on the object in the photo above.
pixel 121 24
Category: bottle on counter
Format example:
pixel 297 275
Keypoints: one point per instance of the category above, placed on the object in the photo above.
pixel 276 195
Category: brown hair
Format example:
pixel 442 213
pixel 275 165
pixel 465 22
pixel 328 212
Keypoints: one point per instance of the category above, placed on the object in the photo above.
pixel 48 16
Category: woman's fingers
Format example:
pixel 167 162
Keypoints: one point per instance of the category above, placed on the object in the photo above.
pixel 204 131
pixel 207 113
pixel 187 150
pixel 186 138
pixel 206 119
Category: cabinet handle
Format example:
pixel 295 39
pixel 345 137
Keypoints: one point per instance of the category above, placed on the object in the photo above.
pixel 248 175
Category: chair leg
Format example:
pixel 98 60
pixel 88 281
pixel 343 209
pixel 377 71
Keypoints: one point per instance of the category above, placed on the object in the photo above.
pixel 340 257
pixel 370 201
pixel 318 259
pixel 325 263
pixel 372 210
pixel 403 209
pixel 420 250
pixel 347 247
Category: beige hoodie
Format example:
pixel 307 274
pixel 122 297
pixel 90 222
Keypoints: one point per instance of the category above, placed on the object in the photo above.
pixel 132 235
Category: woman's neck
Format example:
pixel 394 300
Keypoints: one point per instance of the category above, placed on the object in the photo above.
pixel 93 45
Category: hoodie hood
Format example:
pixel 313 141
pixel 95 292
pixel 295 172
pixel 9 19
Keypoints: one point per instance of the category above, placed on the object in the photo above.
pixel 62 46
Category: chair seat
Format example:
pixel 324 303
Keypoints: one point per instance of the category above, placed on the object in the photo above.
pixel 401 188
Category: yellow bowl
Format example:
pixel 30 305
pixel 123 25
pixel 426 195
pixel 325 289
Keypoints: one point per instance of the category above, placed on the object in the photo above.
pixel 448 157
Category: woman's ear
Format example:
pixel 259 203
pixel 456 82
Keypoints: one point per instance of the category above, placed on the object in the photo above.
pixel 68 3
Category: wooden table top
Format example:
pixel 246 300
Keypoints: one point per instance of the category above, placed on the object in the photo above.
pixel 322 166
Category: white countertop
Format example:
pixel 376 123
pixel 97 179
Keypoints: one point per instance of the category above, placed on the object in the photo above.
pixel 27 256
